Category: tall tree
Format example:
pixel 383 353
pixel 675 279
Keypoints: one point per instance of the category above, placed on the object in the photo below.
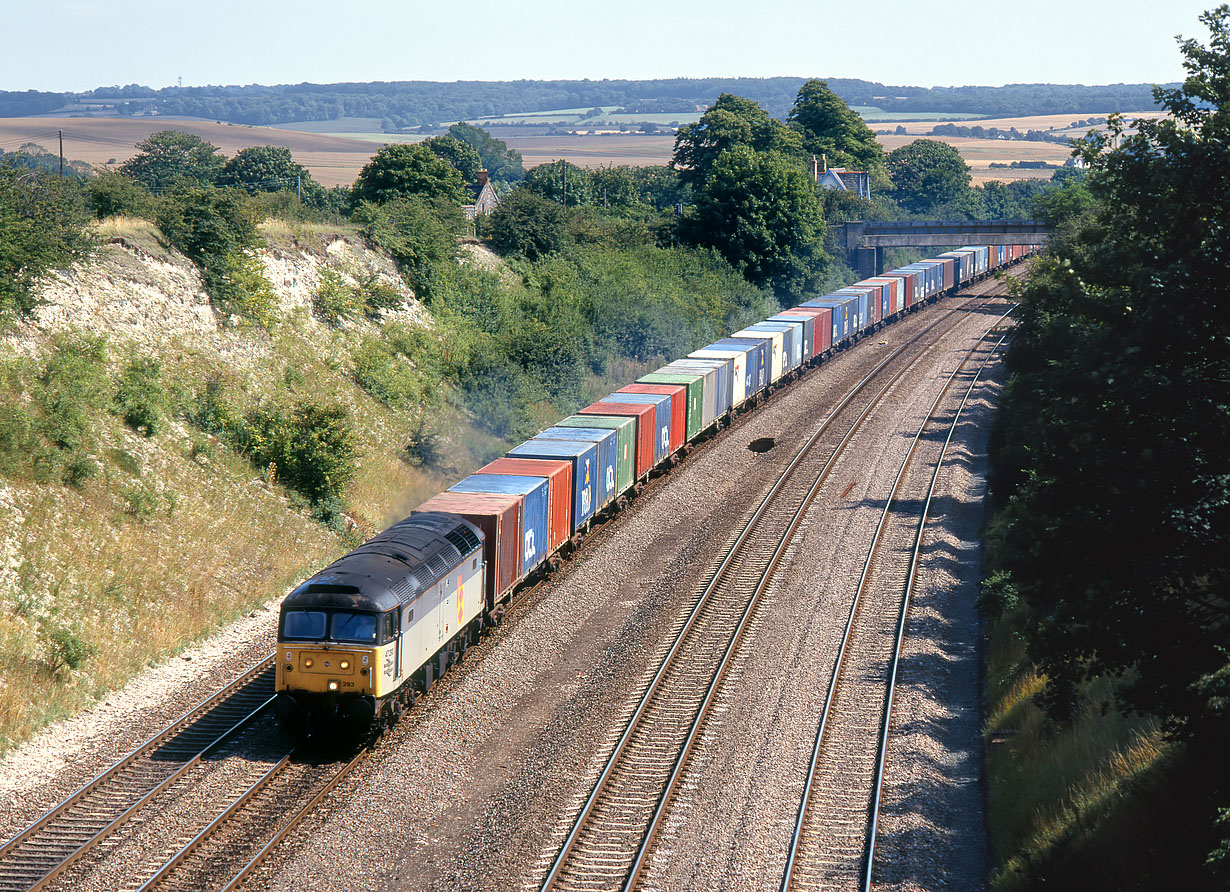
pixel 927 175
pixel 171 156
pixel 1118 530
pixel 829 127
pixel 731 122
pixel 265 169
pixel 760 211
pixel 461 155
pixel 403 171
pixel 503 164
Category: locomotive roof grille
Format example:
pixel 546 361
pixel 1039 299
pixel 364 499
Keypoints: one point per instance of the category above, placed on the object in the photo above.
pixel 463 538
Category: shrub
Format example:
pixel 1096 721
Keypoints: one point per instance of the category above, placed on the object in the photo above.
pixel 238 287
pixel 334 301
pixel 18 439
pixel 78 469
pixel 111 194
pixel 313 448
pixel 73 382
pixel 64 648
pixel 140 398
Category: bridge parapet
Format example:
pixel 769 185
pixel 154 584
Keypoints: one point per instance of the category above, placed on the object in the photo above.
pixel 939 233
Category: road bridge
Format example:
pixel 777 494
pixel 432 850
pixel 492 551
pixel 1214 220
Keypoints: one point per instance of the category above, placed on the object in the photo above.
pixel 866 241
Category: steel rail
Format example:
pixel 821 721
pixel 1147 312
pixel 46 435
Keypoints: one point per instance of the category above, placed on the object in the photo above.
pixel 11 878
pixel 847 634
pixel 670 658
pixel 915 555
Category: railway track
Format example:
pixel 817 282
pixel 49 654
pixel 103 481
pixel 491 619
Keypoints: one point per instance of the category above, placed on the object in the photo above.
pixel 76 826
pixel 834 837
pixel 614 831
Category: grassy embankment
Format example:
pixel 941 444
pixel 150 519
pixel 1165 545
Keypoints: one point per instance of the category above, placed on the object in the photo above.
pixel 120 545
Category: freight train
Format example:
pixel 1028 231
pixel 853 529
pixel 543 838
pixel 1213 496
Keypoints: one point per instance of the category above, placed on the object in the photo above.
pixel 359 641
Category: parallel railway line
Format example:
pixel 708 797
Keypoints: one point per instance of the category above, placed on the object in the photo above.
pixel 613 833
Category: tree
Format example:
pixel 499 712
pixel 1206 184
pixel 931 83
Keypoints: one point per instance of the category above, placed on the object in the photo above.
pixel 420 234
pixel 42 228
pixel 730 122
pixel 526 223
pixel 403 171
pixel 266 169
pixel 457 153
pixel 1117 529
pixel 502 163
pixel 169 156
pixel 927 174
pixel 553 179
pixel 828 126
pixel 760 211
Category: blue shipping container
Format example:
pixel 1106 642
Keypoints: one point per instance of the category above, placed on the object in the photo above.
pixel 792 341
pixel 758 359
pixel 805 334
pixel 608 445
pixel 537 492
pixel 723 368
pixel 584 458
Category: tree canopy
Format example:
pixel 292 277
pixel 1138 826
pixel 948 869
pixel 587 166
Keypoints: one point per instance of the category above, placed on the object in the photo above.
pixel 170 156
pixel 403 171
pixel 1116 531
pixel 828 126
pixel 731 121
pixel 502 163
pixel 265 169
pixel 461 155
pixel 927 174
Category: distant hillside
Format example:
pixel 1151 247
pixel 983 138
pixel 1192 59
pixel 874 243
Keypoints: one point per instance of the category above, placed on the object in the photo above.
pixel 408 104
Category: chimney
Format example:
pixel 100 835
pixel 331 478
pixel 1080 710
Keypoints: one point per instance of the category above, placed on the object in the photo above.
pixel 825 160
pixel 482 178
pixel 815 169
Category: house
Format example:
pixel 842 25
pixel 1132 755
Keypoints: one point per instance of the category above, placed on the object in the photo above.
pixel 485 199
pixel 840 179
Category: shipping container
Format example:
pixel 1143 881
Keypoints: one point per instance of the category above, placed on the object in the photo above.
pixel 805 335
pixel 738 360
pixel 661 422
pixel 844 310
pixel 863 315
pixel 680 406
pixel 625 443
pixel 824 330
pixel 758 359
pixel 699 410
pixel 646 417
pixel 498 516
pixel 608 452
pixel 722 372
pixel 535 495
pixel 558 474
pixel 792 347
pixel 894 300
pixel 773 352
pixel 709 382
pixel 584 459
pixel 909 279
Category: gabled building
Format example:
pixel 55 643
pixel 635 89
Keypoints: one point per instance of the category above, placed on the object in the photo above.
pixel 485 199
pixel 840 179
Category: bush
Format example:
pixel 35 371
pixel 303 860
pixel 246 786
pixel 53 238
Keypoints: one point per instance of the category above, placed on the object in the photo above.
pixel 238 287
pixel 111 194
pixel 72 383
pixel 64 648
pixel 528 224
pixel 18 439
pixel 312 449
pixel 140 398
pixel 78 469
pixel 333 301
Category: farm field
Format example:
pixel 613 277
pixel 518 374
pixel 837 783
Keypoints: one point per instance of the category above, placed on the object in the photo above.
pixel 1033 122
pixel 632 149
pixel 332 160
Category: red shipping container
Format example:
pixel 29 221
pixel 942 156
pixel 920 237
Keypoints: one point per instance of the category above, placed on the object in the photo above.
pixel 907 287
pixel 824 325
pixel 679 407
pixel 646 420
pixel 559 513
pixel 499 517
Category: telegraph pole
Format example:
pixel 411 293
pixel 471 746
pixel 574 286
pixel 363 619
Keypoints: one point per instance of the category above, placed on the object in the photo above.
pixel 61 153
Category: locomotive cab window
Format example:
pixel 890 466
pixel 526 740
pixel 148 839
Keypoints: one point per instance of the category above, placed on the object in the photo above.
pixel 306 625
pixel 352 628
pixel 388 627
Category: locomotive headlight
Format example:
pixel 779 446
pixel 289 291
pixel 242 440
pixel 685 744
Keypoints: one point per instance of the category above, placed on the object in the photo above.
pixel 344 664
pixel 307 663
pixel 332 685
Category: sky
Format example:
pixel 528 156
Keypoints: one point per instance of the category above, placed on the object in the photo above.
pixel 72 45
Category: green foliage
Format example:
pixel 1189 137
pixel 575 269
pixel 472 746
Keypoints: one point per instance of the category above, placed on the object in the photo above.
pixel 927 175
pixel 267 169
pixel 237 287
pixel 461 155
pixel 18 438
pixel 502 163
pixel 828 127
pixel 42 229
pixel 525 223
pixel 401 171
pixel 110 193
pixel 334 301
pixel 551 181
pixel 171 157
pixel 63 646
pixel 760 211
pixel 420 234
pixel 1116 524
pixel 731 122
pixel 71 384
pixel 140 398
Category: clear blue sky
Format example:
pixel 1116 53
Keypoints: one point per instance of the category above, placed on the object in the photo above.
pixel 80 44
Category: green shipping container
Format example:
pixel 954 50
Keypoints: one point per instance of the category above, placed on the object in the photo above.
pixel 696 398
pixel 625 443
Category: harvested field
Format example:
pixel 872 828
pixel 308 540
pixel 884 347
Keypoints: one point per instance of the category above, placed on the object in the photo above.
pixel 1031 122
pixel 595 151
pixel 332 160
